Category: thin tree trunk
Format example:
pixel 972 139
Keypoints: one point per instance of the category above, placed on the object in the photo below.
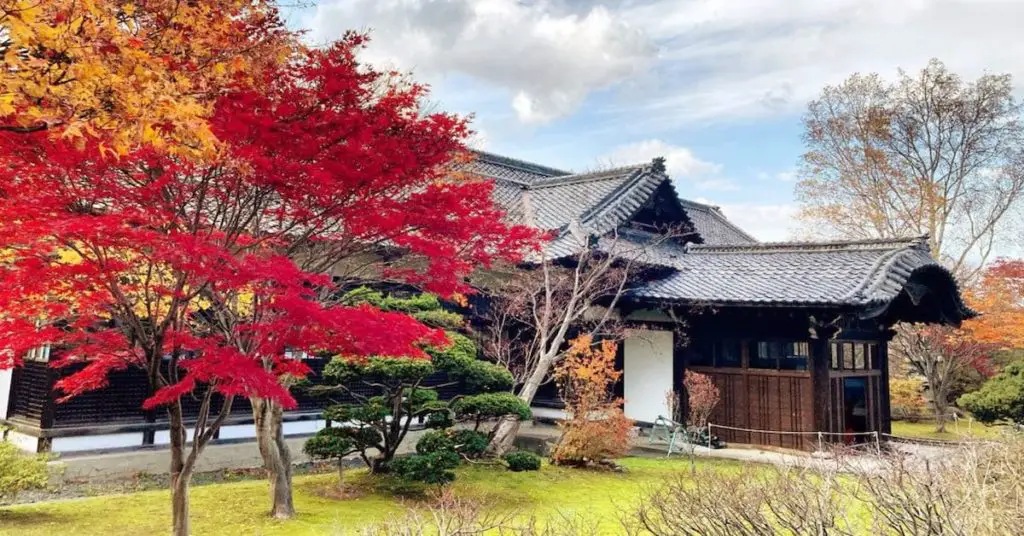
pixel 939 403
pixel 181 473
pixel 937 383
pixel 269 418
pixel 180 506
pixel 504 436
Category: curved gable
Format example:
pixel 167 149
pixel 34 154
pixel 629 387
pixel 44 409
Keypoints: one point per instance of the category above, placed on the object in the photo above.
pixel 894 279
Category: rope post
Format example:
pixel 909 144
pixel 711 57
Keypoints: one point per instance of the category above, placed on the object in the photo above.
pixel 709 437
pixel 821 447
pixel 878 444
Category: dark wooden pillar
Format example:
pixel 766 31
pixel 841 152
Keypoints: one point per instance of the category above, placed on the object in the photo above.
pixel 821 382
pixel 883 356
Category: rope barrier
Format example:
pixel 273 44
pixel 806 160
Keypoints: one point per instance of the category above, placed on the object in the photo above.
pixel 939 442
pixel 819 435
pixel 788 432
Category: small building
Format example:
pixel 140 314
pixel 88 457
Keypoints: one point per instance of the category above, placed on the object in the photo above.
pixel 794 334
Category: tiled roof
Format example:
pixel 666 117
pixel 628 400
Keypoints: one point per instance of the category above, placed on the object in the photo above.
pixel 592 203
pixel 713 226
pixel 510 169
pixel 730 268
pixel 796 273
pixel 598 202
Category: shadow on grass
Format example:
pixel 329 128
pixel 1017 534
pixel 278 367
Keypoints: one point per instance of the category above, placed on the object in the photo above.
pixel 14 518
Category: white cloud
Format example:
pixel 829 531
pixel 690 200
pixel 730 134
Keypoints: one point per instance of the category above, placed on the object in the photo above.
pixel 717 185
pixel 768 223
pixel 680 163
pixel 546 59
pixel 744 59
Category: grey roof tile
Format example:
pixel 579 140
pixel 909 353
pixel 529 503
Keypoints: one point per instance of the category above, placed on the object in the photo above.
pixel 713 226
pixel 510 169
pixel 796 273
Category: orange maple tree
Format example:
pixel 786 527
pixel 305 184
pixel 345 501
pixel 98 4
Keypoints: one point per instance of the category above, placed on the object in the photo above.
pixel 999 296
pixel 135 70
pixel 596 429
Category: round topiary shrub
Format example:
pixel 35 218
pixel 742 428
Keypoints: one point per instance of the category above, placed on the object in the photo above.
pixel 434 441
pixel 470 443
pixel 522 460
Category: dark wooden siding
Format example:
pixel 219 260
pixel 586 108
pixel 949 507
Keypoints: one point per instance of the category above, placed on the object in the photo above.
pixel 30 391
pixel 763 401
pixel 121 401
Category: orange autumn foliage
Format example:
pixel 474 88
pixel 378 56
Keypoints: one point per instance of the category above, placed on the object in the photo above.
pixel 131 71
pixel 1000 298
pixel 596 429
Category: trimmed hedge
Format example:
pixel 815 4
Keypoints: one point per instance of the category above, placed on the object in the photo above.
pixel 522 460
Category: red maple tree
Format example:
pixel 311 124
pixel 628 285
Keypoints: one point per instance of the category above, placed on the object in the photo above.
pixel 206 272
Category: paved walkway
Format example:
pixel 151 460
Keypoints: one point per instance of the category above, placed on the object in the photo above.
pixel 537 437
pixel 216 457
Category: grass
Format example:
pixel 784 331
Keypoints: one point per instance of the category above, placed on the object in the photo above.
pixel 954 431
pixel 240 507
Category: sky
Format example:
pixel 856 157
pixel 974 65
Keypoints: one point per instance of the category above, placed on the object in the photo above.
pixel 717 87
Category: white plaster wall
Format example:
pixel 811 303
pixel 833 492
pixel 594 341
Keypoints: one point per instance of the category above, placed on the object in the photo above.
pixel 134 439
pixel 24 442
pixel 647 374
pixel 96 442
pixel 5 391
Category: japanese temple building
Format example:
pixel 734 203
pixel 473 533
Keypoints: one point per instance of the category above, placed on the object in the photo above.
pixel 794 334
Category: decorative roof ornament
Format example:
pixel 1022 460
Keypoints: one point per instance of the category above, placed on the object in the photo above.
pixel 658 165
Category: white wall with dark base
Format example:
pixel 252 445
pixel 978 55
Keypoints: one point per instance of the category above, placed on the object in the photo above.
pixel 131 440
pixel 5 391
pixel 647 374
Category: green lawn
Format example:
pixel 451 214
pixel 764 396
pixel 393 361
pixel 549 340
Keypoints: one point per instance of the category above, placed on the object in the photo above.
pixel 239 507
pixel 926 430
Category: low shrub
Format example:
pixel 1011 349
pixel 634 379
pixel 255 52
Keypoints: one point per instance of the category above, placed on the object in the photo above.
pixel 597 431
pixel 435 468
pixel 522 460
pixel 973 490
pixel 435 441
pixel 999 399
pixel 19 471
pixel 470 443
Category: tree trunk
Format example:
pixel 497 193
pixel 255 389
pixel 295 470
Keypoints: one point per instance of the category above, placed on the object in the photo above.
pixel 938 403
pixel 504 436
pixel 277 460
pixel 181 473
pixel 937 384
pixel 179 502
